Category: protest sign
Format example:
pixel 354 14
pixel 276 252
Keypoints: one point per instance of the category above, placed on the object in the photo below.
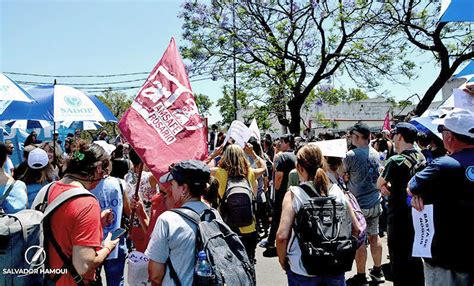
pixel 254 129
pixel 463 99
pixel 239 132
pixel 423 223
pixel 163 124
pixel 332 148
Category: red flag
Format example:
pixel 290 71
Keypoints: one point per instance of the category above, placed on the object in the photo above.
pixel 386 122
pixel 163 124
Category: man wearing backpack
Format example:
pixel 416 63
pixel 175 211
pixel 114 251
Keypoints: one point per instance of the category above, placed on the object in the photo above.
pixel 180 232
pixel 406 270
pixel 362 164
pixel 448 184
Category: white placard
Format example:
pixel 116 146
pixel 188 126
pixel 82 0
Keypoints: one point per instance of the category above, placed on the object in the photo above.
pixel 239 132
pixel 463 99
pixel 332 148
pixel 423 223
pixel 254 129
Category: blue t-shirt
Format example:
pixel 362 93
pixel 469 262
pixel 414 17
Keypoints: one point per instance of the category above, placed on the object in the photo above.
pixel 109 194
pixel 17 199
pixel 363 165
pixel 32 190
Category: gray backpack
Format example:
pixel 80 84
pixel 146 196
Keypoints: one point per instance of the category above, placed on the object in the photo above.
pixel 225 252
pixel 22 253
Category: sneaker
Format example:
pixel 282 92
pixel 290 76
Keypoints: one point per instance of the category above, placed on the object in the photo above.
pixel 357 280
pixel 377 276
pixel 263 243
pixel 271 251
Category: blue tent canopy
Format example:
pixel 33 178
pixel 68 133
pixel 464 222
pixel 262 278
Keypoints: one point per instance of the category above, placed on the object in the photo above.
pixel 469 69
pixel 459 11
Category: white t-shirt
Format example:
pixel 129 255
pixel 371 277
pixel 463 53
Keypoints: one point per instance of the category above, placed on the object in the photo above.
pixel 299 198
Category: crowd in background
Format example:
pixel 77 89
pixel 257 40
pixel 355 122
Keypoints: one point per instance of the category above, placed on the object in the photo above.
pixel 370 181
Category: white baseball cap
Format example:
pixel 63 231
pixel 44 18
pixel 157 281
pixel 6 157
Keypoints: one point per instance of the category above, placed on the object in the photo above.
pixel 459 121
pixel 38 158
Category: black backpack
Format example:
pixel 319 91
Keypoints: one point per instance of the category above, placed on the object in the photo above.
pixel 236 206
pixel 225 252
pixel 324 231
pixel 415 165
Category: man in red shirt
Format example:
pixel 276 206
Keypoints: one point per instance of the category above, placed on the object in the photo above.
pixel 76 225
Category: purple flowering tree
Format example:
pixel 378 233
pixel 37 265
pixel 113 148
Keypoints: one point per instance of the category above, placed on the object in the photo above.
pixel 286 48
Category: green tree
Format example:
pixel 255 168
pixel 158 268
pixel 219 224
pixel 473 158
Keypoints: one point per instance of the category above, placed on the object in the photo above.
pixel 284 49
pixel 451 44
pixel 203 103
pixel 118 103
pixel 335 96
pixel 226 104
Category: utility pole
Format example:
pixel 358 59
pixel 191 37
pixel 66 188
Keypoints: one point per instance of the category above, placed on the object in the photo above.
pixel 234 64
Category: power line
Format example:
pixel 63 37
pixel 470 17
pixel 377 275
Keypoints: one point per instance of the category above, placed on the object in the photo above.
pixel 69 76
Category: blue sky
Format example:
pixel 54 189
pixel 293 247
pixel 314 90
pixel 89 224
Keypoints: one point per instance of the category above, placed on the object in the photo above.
pixel 110 37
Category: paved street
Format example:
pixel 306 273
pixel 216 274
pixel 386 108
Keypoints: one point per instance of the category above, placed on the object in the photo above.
pixel 269 272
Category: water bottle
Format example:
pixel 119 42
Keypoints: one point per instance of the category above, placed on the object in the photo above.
pixel 383 155
pixel 203 274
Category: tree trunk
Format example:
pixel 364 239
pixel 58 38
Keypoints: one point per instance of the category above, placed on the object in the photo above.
pixel 430 94
pixel 295 111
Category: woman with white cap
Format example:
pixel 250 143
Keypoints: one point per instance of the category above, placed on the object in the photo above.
pixel 37 174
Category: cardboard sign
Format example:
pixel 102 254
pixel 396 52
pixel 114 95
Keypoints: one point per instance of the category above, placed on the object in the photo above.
pixel 239 132
pixel 463 100
pixel 332 148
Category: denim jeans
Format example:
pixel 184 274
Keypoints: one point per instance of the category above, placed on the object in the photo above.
pixel 326 280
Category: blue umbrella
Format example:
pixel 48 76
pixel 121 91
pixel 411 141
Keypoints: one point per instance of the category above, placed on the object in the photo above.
pixel 467 70
pixel 28 124
pixel 11 91
pixel 459 11
pixel 82 125
pixel 58 103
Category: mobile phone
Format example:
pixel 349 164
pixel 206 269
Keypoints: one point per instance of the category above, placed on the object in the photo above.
pixel 118 233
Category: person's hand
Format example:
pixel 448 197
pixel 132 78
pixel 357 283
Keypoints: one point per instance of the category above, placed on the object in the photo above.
pixel 107 217
pixel 249 150
pixel 385 189
pixel 417 203
pixel 469 89
pixel 110 244
pixel 137 205
pixel 218 151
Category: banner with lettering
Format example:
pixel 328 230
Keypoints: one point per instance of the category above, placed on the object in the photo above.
pixel 163 124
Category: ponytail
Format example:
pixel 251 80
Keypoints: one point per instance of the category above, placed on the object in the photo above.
pixel 321 182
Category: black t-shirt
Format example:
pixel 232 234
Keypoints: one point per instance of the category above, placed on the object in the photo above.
pixel 285 162
pixel 398 172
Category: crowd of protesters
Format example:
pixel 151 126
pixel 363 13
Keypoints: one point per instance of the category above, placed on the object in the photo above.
pixel 381 178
